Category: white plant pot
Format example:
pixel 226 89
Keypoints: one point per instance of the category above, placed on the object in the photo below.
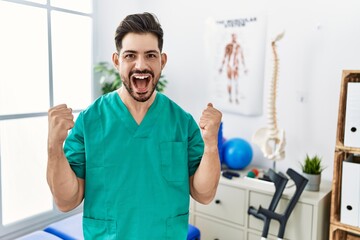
pixel 313 183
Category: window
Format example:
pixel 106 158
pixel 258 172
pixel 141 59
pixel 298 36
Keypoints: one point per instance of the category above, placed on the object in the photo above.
pixel 46 59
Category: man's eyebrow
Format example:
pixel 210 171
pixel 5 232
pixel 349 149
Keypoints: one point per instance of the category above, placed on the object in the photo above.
pixel 152 51
pixel 129 51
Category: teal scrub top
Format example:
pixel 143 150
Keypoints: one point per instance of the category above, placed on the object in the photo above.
pixel 136 176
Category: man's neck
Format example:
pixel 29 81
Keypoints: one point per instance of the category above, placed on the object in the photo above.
pixel 137 109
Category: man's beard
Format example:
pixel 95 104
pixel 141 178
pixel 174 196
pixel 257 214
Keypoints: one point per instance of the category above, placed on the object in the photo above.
pixel 141 97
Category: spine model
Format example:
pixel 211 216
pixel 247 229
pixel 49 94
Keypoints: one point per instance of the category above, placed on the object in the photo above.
pixel 271 139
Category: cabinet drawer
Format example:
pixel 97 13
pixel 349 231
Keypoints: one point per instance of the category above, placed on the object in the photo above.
pixel 211 230
pixel 253 236
pixel 228 204
pixel 301 217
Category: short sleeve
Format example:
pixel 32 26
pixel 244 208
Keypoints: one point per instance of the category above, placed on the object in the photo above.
pixel 195 147
pixel 74 147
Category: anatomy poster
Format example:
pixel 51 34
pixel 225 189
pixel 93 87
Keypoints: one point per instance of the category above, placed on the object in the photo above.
pixel 235 50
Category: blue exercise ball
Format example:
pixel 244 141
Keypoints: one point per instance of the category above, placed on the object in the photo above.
pixel 237 153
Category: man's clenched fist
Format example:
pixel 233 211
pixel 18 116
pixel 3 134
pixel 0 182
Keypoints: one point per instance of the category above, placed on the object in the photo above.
pixel 61 120
pixel 209 124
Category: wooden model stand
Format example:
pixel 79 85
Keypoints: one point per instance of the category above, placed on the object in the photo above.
pixel 338 230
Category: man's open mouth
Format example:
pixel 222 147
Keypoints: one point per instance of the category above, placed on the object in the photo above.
pixel 141 82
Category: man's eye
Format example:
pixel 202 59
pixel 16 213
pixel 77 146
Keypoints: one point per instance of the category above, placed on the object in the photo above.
pixel 129 56
pixel 151 55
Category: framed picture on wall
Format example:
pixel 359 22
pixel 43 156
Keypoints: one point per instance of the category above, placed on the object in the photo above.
pixel 235 49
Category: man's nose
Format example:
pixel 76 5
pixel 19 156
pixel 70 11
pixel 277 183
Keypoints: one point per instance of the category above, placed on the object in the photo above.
pixel 140 63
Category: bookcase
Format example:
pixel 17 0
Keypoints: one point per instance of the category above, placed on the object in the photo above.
pixel 339 230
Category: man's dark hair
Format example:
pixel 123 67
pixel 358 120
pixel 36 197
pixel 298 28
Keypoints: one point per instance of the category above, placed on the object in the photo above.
pixel 139 23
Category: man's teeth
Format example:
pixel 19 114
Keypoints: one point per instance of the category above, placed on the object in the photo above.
pixel 141 77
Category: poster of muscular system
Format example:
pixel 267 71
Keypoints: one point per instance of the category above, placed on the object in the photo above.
pixel 235 50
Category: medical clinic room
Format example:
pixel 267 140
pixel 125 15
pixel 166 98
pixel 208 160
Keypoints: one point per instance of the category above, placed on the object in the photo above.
pixel 179 120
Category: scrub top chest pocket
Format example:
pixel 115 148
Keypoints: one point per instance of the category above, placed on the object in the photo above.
pixel 174 165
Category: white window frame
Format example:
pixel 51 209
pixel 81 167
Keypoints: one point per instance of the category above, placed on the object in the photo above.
pixel 39 221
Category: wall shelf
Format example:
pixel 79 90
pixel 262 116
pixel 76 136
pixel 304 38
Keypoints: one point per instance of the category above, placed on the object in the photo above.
pixel 339 230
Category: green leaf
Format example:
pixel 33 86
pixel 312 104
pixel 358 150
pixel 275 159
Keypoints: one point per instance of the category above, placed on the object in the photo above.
pixel 312 165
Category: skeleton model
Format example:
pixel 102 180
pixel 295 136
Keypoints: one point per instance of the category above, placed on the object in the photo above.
pixel 270 139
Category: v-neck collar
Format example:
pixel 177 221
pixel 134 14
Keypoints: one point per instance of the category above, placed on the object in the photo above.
pixel 143 129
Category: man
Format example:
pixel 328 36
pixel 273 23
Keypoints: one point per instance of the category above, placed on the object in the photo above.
pixel 133 155
pixel 232 53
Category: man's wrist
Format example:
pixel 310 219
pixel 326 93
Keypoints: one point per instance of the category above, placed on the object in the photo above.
pixel 55 149
pixel 211 148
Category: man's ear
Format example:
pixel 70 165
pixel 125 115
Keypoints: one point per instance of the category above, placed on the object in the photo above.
pixel 163 60
pixel 115 59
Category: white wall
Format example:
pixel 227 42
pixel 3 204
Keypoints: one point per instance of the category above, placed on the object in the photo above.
pixel 321 39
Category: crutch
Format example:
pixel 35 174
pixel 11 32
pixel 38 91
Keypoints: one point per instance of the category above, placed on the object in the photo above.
pixel 280 181
pixel 300 183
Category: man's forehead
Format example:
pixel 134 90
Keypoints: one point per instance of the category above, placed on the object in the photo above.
pixel 143 42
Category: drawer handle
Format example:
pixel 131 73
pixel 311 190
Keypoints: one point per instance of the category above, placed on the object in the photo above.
pixel 217 201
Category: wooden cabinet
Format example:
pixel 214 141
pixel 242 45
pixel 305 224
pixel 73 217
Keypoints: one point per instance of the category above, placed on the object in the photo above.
pixel 338 230
pixel 226 218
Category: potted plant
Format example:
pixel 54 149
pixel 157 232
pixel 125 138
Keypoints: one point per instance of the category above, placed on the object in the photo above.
pixel 110 79
pixel 312 168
